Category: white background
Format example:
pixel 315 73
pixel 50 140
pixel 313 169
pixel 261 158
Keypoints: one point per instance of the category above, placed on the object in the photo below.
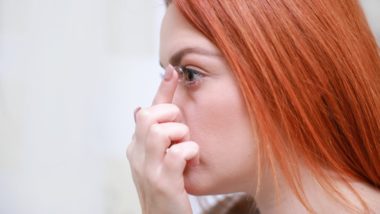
pixel 71 73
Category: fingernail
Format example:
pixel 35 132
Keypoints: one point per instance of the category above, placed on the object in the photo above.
pixel 168 72
pixel 135 112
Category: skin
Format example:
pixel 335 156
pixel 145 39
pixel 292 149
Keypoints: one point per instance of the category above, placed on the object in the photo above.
pixel 196 137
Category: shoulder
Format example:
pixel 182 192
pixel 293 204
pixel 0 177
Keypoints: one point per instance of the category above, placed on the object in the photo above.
pixel 370 194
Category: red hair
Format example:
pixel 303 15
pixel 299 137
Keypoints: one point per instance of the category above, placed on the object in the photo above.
pixel 309 72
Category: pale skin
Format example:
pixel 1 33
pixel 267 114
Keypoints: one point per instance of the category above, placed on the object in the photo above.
pixel 196 137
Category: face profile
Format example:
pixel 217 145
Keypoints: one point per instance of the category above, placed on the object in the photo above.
pixel 277 102
pixel 212 107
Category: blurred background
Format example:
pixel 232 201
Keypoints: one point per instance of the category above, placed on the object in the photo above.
pixel 71 74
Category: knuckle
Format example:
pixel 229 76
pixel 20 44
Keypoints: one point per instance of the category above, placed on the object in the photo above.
pixel 155 131
pixel 155 128
pixel 174 160
pixel 185 128
pixel 194 144
pixel 142 114
pixel 175 109
pixel 170 107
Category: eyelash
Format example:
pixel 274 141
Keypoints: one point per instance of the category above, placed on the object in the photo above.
pixel 186 73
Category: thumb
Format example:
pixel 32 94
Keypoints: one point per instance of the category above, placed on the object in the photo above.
pixel 178 155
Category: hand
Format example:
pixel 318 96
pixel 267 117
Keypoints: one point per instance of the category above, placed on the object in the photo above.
pixel 159 152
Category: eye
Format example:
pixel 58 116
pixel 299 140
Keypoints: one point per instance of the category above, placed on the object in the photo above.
pixel 189 76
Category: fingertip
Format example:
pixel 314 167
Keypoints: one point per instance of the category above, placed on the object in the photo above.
pixel 168 72
pixel 173 72
pixel 194 146
pixel 194 160
pixel 167 87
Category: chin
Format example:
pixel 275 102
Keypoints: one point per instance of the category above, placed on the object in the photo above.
pixel 197 181
pixel 200 182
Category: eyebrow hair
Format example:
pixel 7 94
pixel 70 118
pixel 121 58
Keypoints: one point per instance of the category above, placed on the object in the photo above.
pixel 177 57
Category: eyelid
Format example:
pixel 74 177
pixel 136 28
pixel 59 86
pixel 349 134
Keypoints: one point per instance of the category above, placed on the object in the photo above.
pixel 178 68
pixel 199 75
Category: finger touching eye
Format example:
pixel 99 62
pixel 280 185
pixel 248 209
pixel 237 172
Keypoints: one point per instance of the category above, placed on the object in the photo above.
pixel 189 76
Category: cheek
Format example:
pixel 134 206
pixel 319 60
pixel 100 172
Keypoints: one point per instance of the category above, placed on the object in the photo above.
pixel 218 123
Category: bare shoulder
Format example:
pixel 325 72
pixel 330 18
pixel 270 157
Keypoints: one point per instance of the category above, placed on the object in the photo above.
pixel 370 194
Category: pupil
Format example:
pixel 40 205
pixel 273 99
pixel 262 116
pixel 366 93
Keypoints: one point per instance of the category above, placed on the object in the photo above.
pixel 189 74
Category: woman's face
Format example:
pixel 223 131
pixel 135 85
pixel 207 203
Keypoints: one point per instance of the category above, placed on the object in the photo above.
pixel 213 109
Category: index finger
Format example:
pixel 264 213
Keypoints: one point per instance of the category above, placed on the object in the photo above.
pixel 165 92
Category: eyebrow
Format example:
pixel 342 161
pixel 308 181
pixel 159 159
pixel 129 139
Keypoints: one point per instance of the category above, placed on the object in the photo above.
pixel 177 57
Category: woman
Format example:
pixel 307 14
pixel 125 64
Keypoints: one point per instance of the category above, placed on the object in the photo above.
pixel 278 99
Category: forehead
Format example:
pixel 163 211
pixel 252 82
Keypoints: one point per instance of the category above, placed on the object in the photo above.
pixel 177 33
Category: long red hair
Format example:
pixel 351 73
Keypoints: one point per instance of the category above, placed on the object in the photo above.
pixel 309 72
